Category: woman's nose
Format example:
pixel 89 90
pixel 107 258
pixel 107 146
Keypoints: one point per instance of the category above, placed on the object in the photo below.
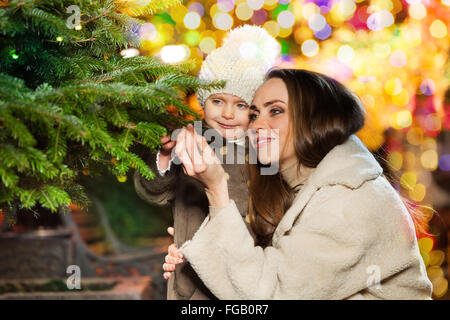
pixel 259 123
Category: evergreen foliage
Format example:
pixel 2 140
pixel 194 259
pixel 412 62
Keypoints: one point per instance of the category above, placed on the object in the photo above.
pixel 71 104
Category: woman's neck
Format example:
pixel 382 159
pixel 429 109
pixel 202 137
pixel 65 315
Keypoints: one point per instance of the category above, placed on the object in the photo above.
pixel 294 176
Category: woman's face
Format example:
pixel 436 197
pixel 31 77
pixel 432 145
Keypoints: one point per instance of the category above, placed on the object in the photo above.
pixel 270 124
pixel 228 114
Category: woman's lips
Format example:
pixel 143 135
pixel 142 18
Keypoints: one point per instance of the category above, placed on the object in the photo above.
pixel 262 141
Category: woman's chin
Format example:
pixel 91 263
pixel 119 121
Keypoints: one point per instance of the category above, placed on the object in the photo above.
pixel 265 160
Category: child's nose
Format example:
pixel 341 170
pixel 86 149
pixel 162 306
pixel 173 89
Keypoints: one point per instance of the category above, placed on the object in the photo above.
pixel 228 113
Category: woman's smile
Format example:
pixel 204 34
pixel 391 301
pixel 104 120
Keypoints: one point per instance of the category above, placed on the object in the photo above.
pixel 261 141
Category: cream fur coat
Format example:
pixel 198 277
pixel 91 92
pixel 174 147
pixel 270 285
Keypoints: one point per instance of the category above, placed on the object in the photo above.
pixel 347 235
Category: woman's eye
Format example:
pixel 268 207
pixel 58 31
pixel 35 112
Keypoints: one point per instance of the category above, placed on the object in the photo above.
pixel 276 111
pixel 253 116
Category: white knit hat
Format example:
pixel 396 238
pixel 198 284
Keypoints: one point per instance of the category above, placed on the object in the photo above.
pixel 243 60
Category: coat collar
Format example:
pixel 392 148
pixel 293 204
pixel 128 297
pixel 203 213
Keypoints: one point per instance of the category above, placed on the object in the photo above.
pixel 349 164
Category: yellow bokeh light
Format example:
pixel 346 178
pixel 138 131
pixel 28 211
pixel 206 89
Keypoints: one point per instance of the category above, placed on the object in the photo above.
pixel 346 9
pixel 429 144
pixel 408 180
pixel 393 86
pixel 401 119
pixel 243 11
pixel 346 53
pixel 418 192
pixel 309 9
pixel 425 244
pixel 438 29
pixel 395 160
pixel 401 99
pixel 285 32
pixel 214 10
pixel 270 4
pixel 429 160
pixel 178 12
pixel 300 34
pixel 415 136
pixel 310 48
pixel 417 11
pixel 272 28
pixel 207 45
pixel 223 21
pixel 382 50
pixel 192 20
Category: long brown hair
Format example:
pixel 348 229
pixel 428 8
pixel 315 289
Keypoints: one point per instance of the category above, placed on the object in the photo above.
pixel 323 114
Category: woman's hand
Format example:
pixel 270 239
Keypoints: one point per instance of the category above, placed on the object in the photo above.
pixel 200 161
pixel 173 258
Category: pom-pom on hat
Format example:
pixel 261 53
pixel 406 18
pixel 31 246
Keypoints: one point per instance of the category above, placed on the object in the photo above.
pixel 243 60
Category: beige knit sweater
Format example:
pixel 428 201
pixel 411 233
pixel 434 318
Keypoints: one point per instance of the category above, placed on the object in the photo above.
pixel 346 236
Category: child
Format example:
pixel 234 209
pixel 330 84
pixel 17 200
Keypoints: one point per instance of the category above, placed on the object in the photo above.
pixel 243 60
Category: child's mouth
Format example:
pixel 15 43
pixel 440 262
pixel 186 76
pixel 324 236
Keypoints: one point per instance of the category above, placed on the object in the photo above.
pixel 226 126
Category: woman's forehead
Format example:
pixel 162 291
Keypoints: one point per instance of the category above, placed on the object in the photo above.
pixel 271 89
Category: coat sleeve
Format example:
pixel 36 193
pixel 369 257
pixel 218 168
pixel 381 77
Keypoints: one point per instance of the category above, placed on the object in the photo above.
pixel 159 191
pixel 324 259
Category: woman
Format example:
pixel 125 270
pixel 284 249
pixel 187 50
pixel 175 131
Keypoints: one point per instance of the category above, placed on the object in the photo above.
pixel 328 226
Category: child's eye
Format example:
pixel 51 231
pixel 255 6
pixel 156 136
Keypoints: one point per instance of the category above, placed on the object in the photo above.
pixel 216 101
pixel 242 106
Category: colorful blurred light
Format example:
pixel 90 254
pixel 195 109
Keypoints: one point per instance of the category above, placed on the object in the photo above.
pixel 398 59
pixel 223 21
pixel 346 54
pixel 310 48
pixel 174 53
pixel 207 45
pixel 147 31
pixel 192 20
pixel 243 11
pixel 438 29
pixel 417 11
pixel 225 5
pixel 255 4
pixel 286 19
pixel 444 162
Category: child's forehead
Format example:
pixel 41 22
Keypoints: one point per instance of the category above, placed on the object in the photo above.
pixel 226 96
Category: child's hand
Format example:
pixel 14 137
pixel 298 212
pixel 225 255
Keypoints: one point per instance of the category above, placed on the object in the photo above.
pixel 167 145
pixel 165 154
pixel 173 257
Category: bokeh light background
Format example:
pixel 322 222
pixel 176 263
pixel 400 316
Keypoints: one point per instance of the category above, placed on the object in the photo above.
pixel 392 53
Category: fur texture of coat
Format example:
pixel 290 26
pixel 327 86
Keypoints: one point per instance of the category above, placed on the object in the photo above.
pixel 347 235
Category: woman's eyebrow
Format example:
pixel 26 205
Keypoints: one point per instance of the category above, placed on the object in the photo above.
pixel 253 107
pixel 272 102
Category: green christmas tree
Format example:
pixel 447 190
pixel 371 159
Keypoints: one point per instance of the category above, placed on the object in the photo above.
pixel 70 103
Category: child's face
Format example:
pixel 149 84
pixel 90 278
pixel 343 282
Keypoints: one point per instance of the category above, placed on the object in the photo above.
pixel 228 114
